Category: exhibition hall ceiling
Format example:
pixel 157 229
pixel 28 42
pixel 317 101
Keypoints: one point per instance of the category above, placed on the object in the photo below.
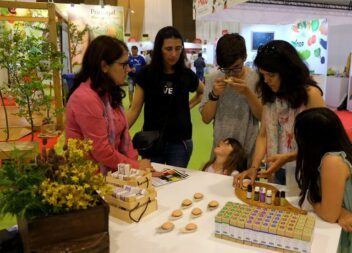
pixel 330 4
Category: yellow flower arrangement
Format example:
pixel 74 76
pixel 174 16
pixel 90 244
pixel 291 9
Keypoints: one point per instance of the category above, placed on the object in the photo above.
pixel 54 184
pixel 76 181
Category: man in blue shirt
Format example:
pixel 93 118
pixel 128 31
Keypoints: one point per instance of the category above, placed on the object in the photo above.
pixel 136 62
pixel 199 64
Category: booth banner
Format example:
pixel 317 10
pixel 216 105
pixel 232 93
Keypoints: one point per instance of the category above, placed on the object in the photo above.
pixel 310 38
pixel 205 7
pixel 101 21
pixel 25 13
pixel 21 12
pixel 202 8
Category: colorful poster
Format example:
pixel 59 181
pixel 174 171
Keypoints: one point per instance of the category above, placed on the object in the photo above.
pixel 20 12
pixel 206 7
pixel 202 7
pixel 310 38
pixel 107 20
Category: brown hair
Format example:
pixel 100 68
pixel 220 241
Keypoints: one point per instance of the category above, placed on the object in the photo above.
pixel 236 160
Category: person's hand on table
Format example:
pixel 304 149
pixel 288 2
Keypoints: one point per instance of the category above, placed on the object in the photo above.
pixel 250 173
pixel 145 164
pixel 157 173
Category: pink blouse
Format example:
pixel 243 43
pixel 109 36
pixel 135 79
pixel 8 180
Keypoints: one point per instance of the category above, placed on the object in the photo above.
pixel 85 120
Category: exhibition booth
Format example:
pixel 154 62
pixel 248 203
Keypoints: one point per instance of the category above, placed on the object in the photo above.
pixel 320 36
pixel 142 207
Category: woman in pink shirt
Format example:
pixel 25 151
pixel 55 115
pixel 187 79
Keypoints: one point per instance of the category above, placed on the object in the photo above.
pixel 94 108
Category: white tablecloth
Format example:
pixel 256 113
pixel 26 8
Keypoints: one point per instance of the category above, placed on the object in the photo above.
pixel 142 237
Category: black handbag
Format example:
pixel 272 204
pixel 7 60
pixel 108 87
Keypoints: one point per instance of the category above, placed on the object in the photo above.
pixel 151 143
pixel 148 143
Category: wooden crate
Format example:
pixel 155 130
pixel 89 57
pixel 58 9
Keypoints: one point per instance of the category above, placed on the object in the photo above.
pixel 135 215
pixel 87 227
pixel 143 181
pixel 129 205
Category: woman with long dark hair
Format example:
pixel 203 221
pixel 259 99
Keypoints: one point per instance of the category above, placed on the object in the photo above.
pixel 324 168
pixel 286 89
pixel 94 108
pixel 163 88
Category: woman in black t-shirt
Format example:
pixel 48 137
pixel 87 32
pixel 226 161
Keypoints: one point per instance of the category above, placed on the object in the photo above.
pixel 163 87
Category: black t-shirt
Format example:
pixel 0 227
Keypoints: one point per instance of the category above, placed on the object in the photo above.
pixel 166 97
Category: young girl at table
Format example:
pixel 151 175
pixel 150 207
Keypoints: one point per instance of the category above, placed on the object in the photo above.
pixel 323 171
pixel 230 158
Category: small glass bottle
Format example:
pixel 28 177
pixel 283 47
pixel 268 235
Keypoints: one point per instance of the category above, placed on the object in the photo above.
pixel 277 199
pixel 282 198
pixel 249 192
pixel 268 198
pixel 262 194
pixel 256 193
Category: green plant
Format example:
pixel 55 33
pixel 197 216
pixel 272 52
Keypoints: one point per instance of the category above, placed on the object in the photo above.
pixel 54 184
pixel 76 37
pixel 30 61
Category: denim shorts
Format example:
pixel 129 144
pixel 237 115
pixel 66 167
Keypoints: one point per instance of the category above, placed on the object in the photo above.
pixel 175 154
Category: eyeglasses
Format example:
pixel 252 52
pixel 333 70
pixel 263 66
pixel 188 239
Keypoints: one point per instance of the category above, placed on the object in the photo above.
pixel 234 70
pixel 124 65
pixel 178 49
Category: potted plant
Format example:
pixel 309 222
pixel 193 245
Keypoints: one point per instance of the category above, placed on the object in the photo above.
pixel 30 61
pixel 55 199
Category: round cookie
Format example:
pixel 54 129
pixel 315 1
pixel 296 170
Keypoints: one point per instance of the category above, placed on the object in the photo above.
pixel 176 213
pixel 186 203
pixel 167 226
pixel 213 204
pixel 198 196
pixel 191 227
pixel 196 212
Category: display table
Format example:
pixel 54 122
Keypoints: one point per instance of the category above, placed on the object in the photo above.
pixel 142 237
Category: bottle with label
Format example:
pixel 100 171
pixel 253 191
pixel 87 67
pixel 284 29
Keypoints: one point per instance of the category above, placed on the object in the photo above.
pixel 249 192
pixel 256 193
pixel 282 198
pixel 268 198
pixel 262 194
pixel 277 199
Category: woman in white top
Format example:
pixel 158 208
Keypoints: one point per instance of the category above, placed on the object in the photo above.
pixel 229 159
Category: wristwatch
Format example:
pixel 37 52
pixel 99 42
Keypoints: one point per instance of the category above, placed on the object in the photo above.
pixel 212 96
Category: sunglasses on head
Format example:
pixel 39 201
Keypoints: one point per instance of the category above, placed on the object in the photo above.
pixel 268 50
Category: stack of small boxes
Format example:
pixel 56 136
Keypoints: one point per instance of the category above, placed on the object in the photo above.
pixel 266 228
pixel 133 195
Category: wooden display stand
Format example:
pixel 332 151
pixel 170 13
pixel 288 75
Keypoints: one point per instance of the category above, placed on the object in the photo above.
pixel 132 209
pixel 241 194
